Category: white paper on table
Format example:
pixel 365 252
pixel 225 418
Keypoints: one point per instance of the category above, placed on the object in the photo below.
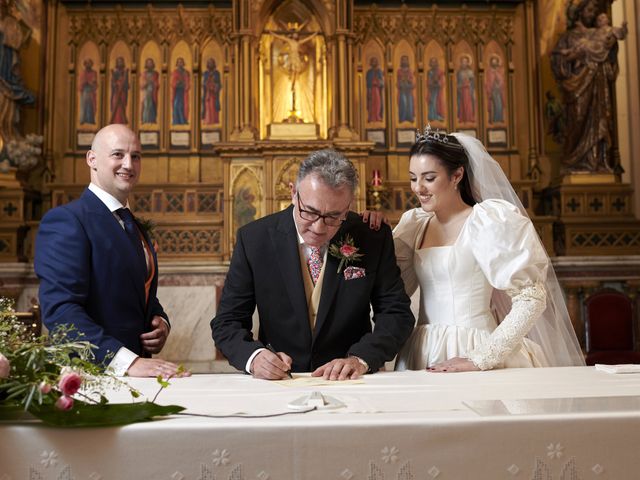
pixel 307 381
pixel 621 368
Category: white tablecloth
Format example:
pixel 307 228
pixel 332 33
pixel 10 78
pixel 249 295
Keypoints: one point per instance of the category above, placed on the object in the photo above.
pixel 560 423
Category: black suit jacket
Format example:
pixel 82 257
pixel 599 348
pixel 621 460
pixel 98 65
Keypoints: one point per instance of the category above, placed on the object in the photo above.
pixel 265 271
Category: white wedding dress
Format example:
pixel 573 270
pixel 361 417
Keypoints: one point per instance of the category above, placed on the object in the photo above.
pixel 497 250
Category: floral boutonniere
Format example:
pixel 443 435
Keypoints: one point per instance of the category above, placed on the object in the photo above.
pixel 346 251
pixel 147 225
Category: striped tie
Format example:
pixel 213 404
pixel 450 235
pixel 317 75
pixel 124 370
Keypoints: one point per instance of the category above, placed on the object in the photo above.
pixel 314 262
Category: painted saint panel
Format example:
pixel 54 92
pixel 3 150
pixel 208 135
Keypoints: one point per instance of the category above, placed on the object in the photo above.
pixel 150 87
pixel 119 84
pixel 465 81
pixel 246 198
pixel 180 82
pixel 210 96
pixel 495 85
pixel 374 84
pixel 436 83
pixel 404 62
pixel 88 88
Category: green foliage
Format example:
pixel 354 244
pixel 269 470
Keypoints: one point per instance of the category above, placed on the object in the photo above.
pixel 39 363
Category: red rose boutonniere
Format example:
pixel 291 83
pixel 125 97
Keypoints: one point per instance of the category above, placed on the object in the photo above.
pixel 345 251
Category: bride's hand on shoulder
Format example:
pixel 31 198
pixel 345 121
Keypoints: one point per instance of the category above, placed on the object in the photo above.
pixel 374 218
pixel 456 364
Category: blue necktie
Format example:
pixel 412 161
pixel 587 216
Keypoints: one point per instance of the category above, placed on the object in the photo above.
pixel 132 232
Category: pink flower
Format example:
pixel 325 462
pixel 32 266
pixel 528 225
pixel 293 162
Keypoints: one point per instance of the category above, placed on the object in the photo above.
pixel 69 383
pixel 64 403
pixel 45 387
pixel 348 250
pixel 5 367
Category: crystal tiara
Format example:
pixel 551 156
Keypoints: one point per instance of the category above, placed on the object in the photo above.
pixel 429 135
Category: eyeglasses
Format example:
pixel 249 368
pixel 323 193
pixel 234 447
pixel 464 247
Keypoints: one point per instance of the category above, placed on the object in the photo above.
pixel 329 220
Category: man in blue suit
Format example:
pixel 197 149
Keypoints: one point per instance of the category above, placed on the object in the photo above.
pixel 98 270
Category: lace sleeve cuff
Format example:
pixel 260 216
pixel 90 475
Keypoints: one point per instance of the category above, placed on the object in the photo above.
pixel 528 304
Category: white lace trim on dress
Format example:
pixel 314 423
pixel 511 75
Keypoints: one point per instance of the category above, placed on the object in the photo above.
pixel 528 303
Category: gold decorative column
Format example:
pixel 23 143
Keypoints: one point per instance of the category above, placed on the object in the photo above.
pixel 244 128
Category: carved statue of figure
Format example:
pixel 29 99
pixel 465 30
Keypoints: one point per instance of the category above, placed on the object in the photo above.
pixel 180 85
pixel 294 61
pixel 119 92
pixel 14 33
pixel 435 91
pixel 466 86
pixel 88 86
pixel 149 84
pixel 211 86
pixel 585 65
pixel 494 89
pixel 375 91
pixel 406 86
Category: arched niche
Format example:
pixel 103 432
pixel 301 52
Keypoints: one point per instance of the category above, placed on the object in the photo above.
pixel 293 72
pixel 247 194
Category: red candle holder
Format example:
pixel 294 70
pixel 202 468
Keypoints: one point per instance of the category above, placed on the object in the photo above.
pixel 377 178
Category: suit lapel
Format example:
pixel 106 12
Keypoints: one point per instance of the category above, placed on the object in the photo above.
pixel 114 231
pixel 285 243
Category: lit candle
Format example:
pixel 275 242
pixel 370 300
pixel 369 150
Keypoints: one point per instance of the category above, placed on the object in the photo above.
pixel 377 179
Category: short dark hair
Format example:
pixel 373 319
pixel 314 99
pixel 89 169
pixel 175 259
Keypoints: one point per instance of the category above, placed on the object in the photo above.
pixel 451 156
pixel 333 168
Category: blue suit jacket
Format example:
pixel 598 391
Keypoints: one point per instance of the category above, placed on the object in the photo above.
pixel 91 277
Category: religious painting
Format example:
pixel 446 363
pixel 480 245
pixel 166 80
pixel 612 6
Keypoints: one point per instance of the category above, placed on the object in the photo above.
pixel 374 84
pixel 405 77
pixel 495 86
pixel 465 84
pixel 436 91
pixel 210 95
pixel 119 84
pixel 150 97
pixel 88 113
pixel 247 198
pixel 288 173
pixel 180 86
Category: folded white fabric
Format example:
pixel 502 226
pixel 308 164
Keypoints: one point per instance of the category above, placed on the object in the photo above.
pixel 622 368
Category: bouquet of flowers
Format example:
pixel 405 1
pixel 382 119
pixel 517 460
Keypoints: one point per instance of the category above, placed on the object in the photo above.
pixel 53 379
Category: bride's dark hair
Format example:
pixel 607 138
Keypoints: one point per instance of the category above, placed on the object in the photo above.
pixel 452 156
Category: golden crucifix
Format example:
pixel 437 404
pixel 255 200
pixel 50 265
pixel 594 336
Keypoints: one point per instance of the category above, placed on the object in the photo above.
pixel 293 60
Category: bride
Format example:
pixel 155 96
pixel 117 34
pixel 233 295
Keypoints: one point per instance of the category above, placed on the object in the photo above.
pixel 489 297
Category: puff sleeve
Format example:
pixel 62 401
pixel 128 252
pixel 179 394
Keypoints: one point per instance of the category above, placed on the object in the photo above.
pixel 507 248
pixel 405 236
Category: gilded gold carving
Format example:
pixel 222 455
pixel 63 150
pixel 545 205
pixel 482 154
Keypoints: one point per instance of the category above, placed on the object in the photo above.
pixel 139 26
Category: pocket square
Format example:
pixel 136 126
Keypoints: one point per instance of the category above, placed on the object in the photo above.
pixel 351 273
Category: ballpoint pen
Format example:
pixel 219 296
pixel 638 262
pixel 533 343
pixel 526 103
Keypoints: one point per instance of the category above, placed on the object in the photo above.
pixel 273 350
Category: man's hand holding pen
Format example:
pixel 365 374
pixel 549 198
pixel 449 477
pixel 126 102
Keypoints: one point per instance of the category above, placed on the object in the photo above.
pixel 271 365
